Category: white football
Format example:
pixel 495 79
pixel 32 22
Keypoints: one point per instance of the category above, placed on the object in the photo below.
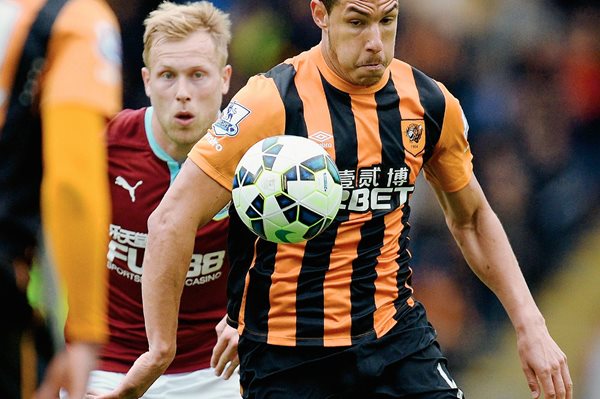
pixel 286 189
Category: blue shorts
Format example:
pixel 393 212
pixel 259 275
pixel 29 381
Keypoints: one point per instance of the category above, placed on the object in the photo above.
pixel 405 363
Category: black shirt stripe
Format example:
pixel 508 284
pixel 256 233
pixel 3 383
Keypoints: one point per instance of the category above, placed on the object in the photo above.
pixel 364 274
pixel 259 287
pixel 388 113
pixel 310 296
pixel 344 128
pixel 433 101
pixel 283 76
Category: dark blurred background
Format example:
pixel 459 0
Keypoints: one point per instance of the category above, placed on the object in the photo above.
pixel 527 73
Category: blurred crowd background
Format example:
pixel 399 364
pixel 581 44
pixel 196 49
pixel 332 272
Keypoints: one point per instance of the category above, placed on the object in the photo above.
pixel 527 73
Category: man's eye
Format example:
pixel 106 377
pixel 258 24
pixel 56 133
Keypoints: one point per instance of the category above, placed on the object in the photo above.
pixel 198 75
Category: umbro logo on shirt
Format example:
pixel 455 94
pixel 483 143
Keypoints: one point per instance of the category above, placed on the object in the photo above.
pixel 120 181
pixel 323 139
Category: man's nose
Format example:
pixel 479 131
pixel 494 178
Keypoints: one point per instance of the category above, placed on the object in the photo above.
pixel 374 41
pixel 183 92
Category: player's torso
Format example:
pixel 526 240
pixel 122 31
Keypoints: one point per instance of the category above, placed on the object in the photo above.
pixel 354 278
pixel 138 180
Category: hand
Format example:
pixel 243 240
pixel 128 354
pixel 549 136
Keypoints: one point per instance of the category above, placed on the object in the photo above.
pixel 142 374
pixel 108 395
pixel 98 395
pixel 224 357
pixel 544 364
pixel 69 370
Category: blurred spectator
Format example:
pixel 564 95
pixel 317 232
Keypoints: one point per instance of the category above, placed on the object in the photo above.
pixel 131 15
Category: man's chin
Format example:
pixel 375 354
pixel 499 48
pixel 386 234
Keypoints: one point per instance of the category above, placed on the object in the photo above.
pixel 192 134
pixel 368 80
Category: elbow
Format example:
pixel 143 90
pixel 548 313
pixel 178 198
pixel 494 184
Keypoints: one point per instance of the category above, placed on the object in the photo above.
pixel 459 225
pixel 464 227
pixel 155 220
pixel 470 220
pixel 158 222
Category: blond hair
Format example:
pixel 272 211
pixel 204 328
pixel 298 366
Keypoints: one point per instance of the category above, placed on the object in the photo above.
pixel 178 21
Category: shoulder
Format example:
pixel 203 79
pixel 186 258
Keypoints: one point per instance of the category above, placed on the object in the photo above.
pixel 283 74
pixel 126 124
pixel 427 86
pixel 433 96
pixel 128 117
pixel 280 76
pixel 261 95
pixel 87 13
pixel 290 65
pixel 92 21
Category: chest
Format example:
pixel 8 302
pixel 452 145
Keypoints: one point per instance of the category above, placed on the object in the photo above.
pixel 138 180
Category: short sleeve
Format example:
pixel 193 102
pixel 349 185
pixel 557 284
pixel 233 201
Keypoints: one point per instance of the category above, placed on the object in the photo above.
pixel 84 58
pixel 450 168
pixel 254 113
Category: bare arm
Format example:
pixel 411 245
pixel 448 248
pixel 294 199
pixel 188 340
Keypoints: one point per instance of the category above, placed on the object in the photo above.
pixel 192 200
pixel 485 246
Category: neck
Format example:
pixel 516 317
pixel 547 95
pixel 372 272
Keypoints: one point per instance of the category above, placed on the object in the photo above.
pixel 327 56
pixel 176 151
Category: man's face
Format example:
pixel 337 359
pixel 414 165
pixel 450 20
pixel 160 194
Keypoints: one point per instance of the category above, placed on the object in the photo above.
pixel 185 82
pixel 359 38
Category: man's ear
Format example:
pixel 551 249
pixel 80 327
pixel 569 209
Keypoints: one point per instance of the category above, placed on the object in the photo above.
pixel 146 80
pixel 226 76
pixel 319 14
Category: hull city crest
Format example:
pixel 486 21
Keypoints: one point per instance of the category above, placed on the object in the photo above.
pixel 413 136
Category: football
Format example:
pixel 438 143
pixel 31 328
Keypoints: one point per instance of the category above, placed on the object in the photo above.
pixel 286 189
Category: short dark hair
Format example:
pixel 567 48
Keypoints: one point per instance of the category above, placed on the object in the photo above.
pixel 329 4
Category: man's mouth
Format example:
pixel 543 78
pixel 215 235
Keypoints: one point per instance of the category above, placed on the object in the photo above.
pixel 184 117
pixel 372 64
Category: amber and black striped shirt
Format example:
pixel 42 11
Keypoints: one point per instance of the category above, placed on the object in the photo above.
pixel 353 280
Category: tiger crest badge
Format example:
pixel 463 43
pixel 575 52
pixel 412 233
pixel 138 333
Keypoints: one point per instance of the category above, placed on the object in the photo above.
pixel 413 132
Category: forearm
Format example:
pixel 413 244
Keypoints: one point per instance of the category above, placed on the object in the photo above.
pixel 166 263
pixel 172 227
pixel 487 250
pixel 162 284
pixel 144 371
pixel 485 246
